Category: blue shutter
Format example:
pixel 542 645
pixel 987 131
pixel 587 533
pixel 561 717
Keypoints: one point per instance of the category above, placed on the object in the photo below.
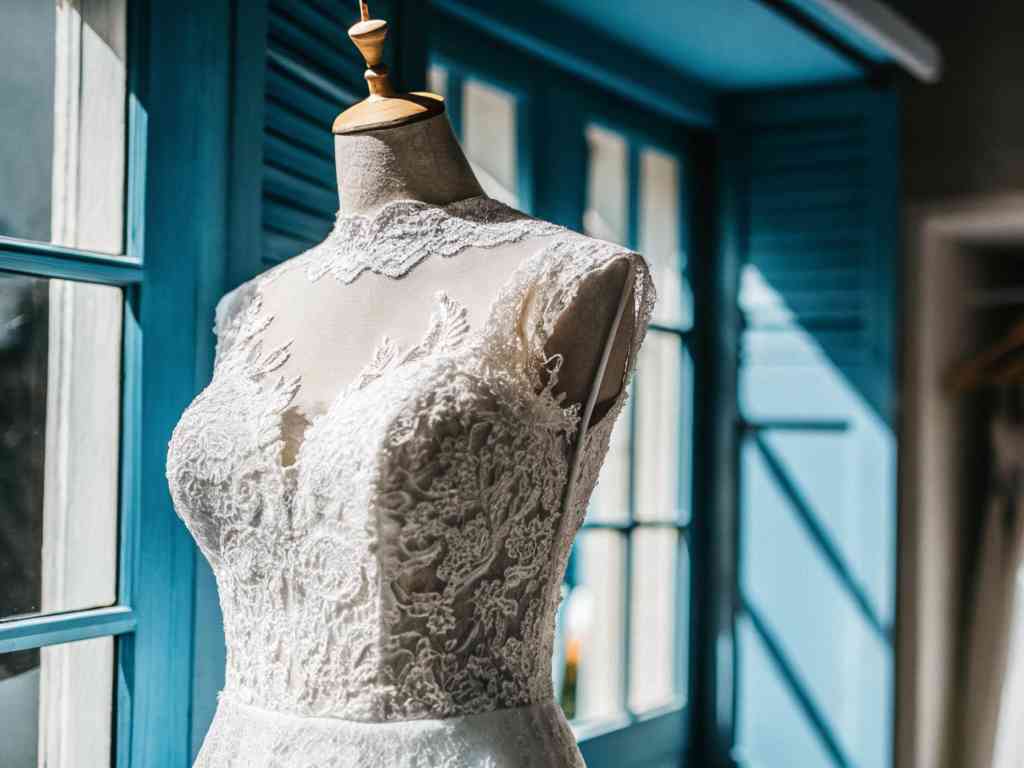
pixel 817 507
pixel 312 73
pixel 822 208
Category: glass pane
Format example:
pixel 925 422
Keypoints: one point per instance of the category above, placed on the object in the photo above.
pixel 62 122
pixel 437 80
pixel 610 500
pixel 653 642
pixel 60 345
pixel 663 431
pixel 660 219
pixel 593 619
pixel 57 704
pixel 490 139
pixel 606 217
pixel 607 212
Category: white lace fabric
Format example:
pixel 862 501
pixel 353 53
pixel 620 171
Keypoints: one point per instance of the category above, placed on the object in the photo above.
pixel 389 596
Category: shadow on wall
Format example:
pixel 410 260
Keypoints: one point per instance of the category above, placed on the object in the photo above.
pixel 817 559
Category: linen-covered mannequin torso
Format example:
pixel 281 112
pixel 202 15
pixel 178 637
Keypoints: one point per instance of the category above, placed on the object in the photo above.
pixel 420 162
pixel 389 543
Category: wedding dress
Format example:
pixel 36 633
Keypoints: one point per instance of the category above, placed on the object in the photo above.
pixel 389 597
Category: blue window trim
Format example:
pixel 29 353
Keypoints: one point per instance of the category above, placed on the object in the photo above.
pixel 51 629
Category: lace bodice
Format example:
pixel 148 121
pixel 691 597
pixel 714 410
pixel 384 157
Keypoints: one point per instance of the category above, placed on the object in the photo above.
pixel 407 563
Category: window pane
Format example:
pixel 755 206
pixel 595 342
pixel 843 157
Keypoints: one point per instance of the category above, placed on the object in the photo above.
pixel 654 605
pixel 607 212
pixel 663 431
pixel 610 499
pixel 606 217
pixel 62 122
pixel 60 346
pixel 594 617
pixel 437 80
pixel 490 139
pixel 57 704
pixel 660 220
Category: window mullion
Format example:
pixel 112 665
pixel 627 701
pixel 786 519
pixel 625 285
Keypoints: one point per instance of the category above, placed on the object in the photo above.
pixel 632 231
pixel 55 261
pixel 40 631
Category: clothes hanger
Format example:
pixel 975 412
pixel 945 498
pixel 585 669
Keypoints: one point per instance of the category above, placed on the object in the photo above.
pixel 1011 373
pixel 384 107
pixel 995 365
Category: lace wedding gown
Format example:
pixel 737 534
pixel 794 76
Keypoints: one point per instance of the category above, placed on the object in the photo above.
pixel 389 597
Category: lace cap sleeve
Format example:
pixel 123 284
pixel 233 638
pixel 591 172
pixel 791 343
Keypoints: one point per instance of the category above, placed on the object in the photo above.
pixel 228 317
pixel 566 267
pixel 563 271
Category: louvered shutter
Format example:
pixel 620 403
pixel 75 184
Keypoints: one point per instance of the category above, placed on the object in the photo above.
pixel 821 217
pixel 312 73
pixel 819 211
pixel 295 70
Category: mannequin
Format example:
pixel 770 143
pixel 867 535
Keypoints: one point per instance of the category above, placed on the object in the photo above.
pixel 385 472
pixel 333 328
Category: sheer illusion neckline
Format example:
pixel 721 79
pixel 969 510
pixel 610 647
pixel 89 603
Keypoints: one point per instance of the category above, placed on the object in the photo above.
pixel 448 333
pixel 374 242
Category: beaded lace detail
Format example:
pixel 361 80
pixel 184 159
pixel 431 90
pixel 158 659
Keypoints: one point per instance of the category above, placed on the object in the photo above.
pixel 406 565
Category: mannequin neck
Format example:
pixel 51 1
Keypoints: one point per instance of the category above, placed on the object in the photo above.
pixel 420 161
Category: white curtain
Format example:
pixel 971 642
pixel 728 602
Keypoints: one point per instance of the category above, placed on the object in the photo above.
pixel 993 691
pixel 1010 734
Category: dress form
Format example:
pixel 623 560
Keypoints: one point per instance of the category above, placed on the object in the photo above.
pixel 333 329
pixel 389 466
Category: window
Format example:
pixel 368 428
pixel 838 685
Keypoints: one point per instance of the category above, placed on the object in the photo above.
pixel 624 621
pixel 486 117
pixel 66 277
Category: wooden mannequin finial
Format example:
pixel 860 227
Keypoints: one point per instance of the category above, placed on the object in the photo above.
pixel 384 107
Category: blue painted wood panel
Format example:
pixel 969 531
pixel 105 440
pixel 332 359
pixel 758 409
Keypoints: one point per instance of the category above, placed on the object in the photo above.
pixel 817 506
pixel 184 93
pixel 725 44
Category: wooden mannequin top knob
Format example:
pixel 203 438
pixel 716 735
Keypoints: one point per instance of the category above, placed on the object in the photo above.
pixel 384 107
pixel 369 38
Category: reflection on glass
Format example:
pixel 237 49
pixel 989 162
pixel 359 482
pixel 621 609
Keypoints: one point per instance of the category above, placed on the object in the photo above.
pixel 60 350
pixel 660 236
pixel 24 317
pixel 490 139
pixel 607 212
pixel 26 117
pixel 62 122
pixel 660 469
pixel 57 704
pixel 592 629
pixel 653 623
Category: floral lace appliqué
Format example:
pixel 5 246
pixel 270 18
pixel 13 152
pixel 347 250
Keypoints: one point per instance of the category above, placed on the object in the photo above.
pixel 407 564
